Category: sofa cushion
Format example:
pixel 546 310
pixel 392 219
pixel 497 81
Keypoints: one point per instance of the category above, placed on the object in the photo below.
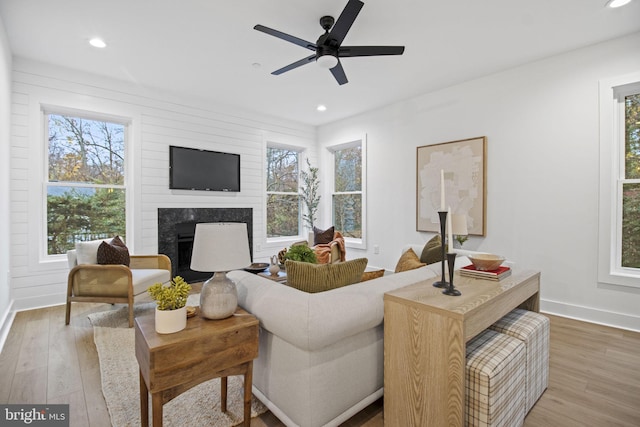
pixel 323 277
pixel 432 251
pixel 322 237
pixel 370 275
pixel 311 321
pixel 408 261
pixel 113 252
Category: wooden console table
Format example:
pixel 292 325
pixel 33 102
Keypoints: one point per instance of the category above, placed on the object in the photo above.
pixel 425 333
pixel 173 363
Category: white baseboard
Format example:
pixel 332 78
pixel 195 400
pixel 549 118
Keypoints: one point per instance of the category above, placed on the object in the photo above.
pixel 591 315
pixel 5 324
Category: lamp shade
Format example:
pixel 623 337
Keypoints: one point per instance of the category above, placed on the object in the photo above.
pixel 459 225
pixel 220 246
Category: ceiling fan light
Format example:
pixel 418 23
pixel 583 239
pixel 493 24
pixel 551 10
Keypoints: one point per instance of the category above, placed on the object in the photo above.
pixel 327 61
pixel 617 3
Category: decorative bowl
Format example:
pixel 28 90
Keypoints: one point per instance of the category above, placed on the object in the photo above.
pixel 486 262
pixel 257 267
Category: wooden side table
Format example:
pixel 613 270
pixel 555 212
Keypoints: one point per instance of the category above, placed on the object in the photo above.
pixel 173 363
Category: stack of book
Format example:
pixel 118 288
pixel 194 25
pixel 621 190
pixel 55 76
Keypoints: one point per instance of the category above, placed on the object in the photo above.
pixel 500 273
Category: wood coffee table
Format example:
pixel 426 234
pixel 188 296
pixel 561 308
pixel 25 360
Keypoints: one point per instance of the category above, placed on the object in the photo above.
pixel 171 364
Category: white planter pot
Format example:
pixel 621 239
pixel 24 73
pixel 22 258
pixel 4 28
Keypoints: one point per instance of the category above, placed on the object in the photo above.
pixel 170 321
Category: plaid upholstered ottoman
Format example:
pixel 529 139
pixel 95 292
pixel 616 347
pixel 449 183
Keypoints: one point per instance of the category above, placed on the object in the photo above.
pixel 533 329
pixel 495 380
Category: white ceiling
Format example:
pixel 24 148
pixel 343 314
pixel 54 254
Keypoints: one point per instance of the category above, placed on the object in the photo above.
pixel 207 48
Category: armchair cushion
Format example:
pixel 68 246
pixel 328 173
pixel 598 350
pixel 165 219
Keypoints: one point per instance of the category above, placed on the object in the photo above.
pixel 113 252
pixel 143 278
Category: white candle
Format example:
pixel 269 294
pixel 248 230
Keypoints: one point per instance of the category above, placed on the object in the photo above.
pixel 442 190
pixel 450 230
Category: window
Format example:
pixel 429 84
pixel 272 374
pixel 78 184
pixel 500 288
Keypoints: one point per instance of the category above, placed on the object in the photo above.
pixel 283 200
pixel 620 182
pixel 85 182
pixel 630 183
pixel 347 200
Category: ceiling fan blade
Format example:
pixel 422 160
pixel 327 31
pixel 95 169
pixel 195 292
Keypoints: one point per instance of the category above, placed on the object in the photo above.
pixel 345 20
pixel 286 37
pixel 338 73
pixel 295 65
pixel 348 51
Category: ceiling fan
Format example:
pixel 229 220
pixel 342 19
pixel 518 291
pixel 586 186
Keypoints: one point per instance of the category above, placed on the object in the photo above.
pixel 328 48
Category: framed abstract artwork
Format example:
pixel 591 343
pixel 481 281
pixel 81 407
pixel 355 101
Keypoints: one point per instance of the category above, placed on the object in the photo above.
pixel 452 175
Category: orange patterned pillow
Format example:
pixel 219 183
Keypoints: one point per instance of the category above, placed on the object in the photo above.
pixel 408 261
pixel 370 275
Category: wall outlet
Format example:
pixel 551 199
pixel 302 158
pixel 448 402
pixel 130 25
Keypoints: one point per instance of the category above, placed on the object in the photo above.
pixel 376 249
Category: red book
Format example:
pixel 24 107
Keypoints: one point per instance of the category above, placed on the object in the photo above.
pixel 497 274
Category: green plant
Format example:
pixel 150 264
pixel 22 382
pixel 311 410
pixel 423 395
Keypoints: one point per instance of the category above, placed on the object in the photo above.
pixel 301 253
pixel 170 297
pixel 461 239
pixel 309 193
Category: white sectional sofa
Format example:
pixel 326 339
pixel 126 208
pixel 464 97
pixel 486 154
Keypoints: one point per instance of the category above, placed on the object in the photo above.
pixel 321 354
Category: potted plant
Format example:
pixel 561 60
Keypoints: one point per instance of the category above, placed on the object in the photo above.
pixel 301 253
pixel 171 301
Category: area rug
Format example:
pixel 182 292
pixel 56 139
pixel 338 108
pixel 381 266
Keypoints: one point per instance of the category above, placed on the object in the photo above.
pixel 199 406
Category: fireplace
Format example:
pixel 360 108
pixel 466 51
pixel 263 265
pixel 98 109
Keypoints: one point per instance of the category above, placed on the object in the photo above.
pixel 176 229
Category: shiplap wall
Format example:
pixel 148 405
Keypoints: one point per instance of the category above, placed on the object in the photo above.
pixel 155 121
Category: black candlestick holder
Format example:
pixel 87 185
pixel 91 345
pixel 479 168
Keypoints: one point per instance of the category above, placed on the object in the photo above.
pixel 443 223
pixel 451 290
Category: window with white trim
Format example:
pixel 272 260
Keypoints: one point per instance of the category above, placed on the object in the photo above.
pixel 348 201
pixel 283 196
pixel 84 181
pixel 620 182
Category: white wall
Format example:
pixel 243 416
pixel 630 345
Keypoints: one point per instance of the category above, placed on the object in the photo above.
pixel 5 144
pixel 541 121
pixel 157 121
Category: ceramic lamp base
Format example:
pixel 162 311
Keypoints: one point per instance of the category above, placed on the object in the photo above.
pixel 219 297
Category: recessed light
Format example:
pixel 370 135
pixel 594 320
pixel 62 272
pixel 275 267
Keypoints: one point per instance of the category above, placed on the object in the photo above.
pixel 96 42
pixel 617 3
pixel 321 107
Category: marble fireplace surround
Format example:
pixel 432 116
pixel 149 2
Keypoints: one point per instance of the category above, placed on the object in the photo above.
pixel 170 220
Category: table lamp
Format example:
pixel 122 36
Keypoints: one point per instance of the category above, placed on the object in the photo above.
pixel 459 226
pixel 219 247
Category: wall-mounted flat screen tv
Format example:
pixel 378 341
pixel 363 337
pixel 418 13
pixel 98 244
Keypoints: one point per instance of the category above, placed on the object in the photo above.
pixel 194 169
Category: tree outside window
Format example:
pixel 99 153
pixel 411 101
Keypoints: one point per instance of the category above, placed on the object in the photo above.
pixel 85 181
pixel 283 199
pixel 631 184
pixel 347 196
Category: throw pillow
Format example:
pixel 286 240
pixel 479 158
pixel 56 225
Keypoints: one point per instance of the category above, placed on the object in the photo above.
pixel 113 252
pixel 432 251
pixel 313 278
pixel 369 275
pixel 87 251
pixel 408 261
pixel 322 236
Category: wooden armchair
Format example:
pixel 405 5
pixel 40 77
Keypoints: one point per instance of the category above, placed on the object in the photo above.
pixel 114 283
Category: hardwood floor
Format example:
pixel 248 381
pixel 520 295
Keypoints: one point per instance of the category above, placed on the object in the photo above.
pixel 594 372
